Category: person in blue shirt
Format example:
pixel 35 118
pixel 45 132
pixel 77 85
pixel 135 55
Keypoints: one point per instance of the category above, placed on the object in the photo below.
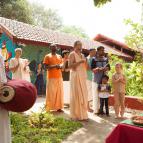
pixel 100 66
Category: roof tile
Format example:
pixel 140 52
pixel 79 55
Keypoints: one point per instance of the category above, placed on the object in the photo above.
pixel 33 33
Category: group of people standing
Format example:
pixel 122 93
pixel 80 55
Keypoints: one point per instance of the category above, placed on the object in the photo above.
pixel 88 82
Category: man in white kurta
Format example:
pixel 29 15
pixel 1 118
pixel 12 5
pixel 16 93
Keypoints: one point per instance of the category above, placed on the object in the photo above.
pixel 5 132
pixel 92 53
pixel 19 66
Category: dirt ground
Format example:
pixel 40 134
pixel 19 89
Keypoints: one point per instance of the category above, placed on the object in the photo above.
pixel 94 131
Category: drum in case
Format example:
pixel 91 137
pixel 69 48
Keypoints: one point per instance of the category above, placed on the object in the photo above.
pixel 17 95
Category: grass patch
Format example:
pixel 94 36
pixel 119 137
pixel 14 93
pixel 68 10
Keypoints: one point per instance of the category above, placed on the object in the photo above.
pixel 41 128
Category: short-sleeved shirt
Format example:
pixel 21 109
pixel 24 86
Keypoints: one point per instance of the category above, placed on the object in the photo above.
pixel 53 60
pixel 98 63
pixel 101 88
pixel 89 72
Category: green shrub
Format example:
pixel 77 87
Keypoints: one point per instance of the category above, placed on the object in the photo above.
pixel 133 72
pixel 41 128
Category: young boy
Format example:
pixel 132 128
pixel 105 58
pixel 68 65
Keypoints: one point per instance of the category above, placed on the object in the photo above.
pixel 5 132
pixel 104 90
pixel 119 90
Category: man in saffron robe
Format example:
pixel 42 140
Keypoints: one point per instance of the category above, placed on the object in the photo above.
pixel 54 91
pixel 78 86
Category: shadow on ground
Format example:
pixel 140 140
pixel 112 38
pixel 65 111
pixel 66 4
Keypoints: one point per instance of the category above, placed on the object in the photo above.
pixel 94 131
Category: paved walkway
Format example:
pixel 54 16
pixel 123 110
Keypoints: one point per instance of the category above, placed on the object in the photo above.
pixel 94 131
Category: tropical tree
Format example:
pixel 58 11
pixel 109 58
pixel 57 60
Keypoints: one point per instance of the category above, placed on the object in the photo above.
pixel 75 31
pixel 16 9
pixel 134 38
pixel 46 18
pixel 99 3
pixel 134 73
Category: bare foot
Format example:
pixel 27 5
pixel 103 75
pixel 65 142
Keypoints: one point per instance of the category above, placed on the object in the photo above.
pixel 60 110
pixel 90 110
pixel 122 117
pixel 84 120
pixel 117 117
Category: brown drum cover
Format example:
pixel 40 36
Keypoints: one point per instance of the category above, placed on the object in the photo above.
pixel 24 96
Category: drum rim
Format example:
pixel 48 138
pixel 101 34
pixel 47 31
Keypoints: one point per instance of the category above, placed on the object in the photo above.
pixel 7 86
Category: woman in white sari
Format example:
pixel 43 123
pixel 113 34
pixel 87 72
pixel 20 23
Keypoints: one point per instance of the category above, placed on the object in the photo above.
pixel 5 132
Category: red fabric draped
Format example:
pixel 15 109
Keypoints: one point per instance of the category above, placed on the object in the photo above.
pixel 124 133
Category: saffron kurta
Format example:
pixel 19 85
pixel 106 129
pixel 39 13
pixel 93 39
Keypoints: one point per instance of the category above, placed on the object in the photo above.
pixel 78 89
pixel 54 91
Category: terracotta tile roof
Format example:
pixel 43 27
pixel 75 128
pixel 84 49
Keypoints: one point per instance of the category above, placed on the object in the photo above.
pixel 20 31
pixel 104 39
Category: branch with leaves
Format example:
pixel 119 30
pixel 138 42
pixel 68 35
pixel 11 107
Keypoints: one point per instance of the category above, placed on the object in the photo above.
pixel 135 35
pixel 99 3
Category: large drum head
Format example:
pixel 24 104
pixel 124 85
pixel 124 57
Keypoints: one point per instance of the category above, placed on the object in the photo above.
pixel 6 94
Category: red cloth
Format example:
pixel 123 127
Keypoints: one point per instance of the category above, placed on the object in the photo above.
pixel 25 96
pixel 124 133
